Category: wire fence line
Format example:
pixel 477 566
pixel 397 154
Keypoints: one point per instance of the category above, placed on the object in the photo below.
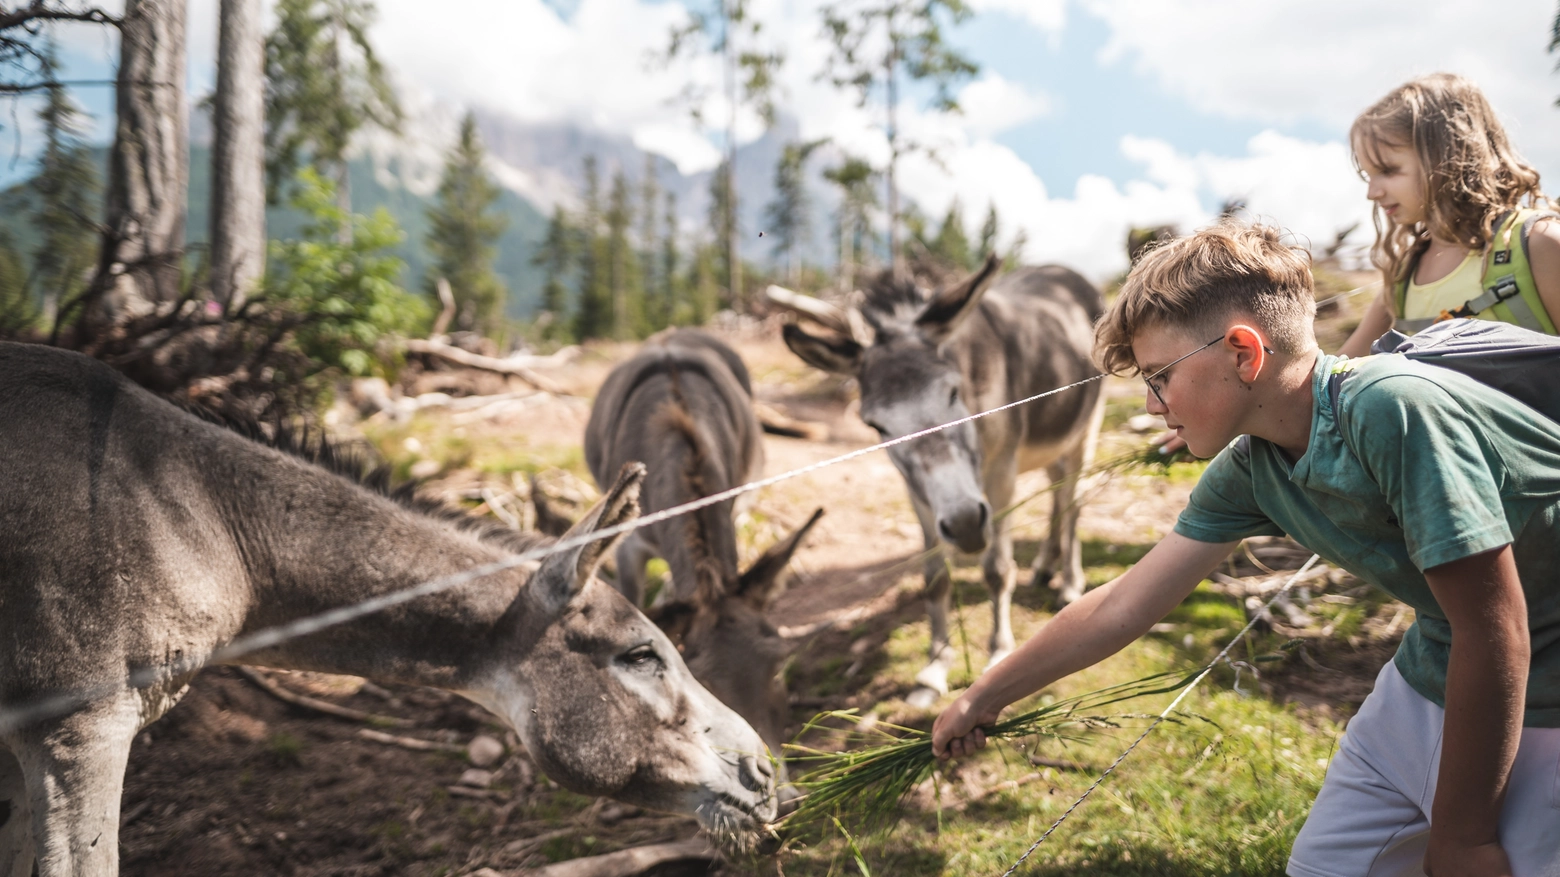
pixel 14 718
pixel 1159 720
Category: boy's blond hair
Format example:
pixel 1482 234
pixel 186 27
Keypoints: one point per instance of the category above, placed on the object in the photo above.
pixel 1472 174
pixel 1198 283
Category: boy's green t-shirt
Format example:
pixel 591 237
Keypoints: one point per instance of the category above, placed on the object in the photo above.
pixel 1418 467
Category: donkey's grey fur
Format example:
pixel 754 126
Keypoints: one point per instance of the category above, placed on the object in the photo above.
pixel 137 535
pixel 683 406
pixel 938 357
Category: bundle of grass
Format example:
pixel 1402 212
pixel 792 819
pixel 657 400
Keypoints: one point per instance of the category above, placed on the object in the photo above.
pixel 866 783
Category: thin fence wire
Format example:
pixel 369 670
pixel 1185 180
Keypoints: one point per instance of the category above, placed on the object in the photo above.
pixel 1223 655
pixel 14 718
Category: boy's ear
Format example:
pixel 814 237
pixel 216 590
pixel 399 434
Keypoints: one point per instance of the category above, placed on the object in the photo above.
pixel 1250 351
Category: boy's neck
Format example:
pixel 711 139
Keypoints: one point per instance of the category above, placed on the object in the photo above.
pixel 1282 406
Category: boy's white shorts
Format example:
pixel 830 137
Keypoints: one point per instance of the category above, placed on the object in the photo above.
pixel 1372 816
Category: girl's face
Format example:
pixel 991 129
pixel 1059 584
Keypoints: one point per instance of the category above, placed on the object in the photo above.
pixel 1396 184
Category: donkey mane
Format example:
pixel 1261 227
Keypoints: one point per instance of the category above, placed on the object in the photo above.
pixel 362 467
pixel 674 415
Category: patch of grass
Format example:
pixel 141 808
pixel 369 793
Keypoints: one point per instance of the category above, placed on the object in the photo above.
pixel 1221 790
pixel 286 750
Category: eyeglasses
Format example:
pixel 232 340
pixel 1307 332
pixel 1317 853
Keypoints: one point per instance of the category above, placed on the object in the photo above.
pixel 1149 379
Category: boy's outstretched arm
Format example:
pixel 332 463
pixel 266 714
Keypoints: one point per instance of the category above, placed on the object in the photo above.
pixel 1486 685
pixel 1097 626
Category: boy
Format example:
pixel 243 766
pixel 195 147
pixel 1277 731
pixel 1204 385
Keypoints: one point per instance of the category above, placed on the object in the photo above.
pixel 1423 482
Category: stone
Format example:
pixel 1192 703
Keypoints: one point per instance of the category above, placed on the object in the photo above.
pixel 484 751
pixel 477 779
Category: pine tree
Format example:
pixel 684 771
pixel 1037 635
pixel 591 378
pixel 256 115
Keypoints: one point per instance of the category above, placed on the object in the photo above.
pixel 988 233
pixel 875 43
pixel 556 258
pixel 323 83
pixel 66 185
pixel 705 294
pixel 952 245
pixel 853 221
pixel 463 229
pixel 593 318
pixel 723 216
pixel 626 284
pixel 788 214
pixel 678 312
pixel 652 305
pixel 17 313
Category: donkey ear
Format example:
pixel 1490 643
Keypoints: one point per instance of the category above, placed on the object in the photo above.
pixel 949 307
pixel 563 575
pixel 675 618
pixel 761 584
pixel 839 355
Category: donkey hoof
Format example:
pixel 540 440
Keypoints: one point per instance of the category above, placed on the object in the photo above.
pixel 1041 578
pixel 923 697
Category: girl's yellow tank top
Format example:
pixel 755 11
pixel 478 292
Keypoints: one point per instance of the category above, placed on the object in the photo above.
pixel 1427 301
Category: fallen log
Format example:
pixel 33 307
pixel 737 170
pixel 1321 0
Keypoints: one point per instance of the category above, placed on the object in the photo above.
pixel 663 858
pixel 468 359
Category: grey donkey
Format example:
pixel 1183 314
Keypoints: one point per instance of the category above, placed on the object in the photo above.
pixel 683 406
pixel 925 358
pixel 138 535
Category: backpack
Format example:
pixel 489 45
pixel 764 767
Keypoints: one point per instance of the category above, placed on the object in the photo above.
pixel 1522 364
pixel 1510 294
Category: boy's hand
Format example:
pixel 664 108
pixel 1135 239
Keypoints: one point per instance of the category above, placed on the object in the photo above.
pixel 957 732
pixel 1450 860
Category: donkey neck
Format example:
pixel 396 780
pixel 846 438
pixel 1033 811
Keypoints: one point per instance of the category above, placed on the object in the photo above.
pixel 313 541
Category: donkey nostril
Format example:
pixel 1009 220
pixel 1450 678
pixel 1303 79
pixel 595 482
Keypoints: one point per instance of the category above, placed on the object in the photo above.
pixel 755 774
pixel 985 514
pixel 946 531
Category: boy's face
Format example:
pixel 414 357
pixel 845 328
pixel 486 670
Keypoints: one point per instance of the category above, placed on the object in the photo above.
pixel 1202 394
pixel 1396 184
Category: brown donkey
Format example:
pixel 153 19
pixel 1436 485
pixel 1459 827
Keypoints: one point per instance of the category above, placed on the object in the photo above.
pixel 683 406
pixel 137 535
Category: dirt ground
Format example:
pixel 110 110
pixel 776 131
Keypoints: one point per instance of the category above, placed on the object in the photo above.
pixel 235 781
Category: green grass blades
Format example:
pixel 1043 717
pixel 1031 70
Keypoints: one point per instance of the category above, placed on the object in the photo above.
pixel 864 783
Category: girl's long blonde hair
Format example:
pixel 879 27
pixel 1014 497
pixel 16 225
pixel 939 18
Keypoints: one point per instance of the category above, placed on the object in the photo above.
pixel 1472 175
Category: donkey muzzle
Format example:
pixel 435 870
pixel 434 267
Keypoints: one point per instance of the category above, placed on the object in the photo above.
pixel 965 528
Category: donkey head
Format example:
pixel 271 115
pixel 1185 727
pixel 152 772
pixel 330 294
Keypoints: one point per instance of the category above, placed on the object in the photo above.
pixel 605 704
pixel 907 385
pixel 729 644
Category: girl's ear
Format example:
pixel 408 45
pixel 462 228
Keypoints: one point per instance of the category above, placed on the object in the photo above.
pixel 1251 351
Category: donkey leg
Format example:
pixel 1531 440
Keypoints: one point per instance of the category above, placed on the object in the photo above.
pixel 75 772
pixel 1000 573
pixel 16 849
pixel 932 682
pixel 1060 563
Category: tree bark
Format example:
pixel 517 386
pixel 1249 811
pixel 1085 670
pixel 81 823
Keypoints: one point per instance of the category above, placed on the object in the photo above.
pixel 733 245
pixel 238 155
pixel 143 239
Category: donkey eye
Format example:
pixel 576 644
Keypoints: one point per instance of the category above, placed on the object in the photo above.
pixel 640 656
pixel 953 396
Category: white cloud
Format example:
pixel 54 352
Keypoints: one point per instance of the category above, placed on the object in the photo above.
pixel 1324 61
pixel 1305 187
pixel 992 105
pixel 1047 16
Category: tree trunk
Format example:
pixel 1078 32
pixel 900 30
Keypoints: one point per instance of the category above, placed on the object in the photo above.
pixel 733 246
pixel 143 240
pixel 895 251
pixel 238 155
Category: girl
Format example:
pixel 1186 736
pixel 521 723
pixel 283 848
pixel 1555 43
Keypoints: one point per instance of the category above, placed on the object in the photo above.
pixel 1462 228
